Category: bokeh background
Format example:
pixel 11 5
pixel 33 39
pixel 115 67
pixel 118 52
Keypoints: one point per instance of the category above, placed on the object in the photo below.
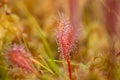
pixel 33 23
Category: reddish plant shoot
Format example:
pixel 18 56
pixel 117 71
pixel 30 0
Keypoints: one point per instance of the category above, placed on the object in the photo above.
pixel 67 33
pixel 66 38
pixel 111 10
pixel 19 57
pixel 74 13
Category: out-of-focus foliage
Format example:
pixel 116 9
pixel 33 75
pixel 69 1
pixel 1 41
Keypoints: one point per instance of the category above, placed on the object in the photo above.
pixel 33 23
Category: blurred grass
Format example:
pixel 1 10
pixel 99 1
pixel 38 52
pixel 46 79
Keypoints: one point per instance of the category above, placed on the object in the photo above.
pixel 34 23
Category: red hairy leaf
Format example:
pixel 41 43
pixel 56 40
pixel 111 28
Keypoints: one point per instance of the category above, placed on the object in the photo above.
pixel 66 38
pixel 19 57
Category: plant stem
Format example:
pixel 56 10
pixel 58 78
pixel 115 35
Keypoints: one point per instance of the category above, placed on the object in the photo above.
pixel 69 67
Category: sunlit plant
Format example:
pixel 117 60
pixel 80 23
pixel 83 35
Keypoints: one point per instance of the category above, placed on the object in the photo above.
pixel 18 57
pixel 66 38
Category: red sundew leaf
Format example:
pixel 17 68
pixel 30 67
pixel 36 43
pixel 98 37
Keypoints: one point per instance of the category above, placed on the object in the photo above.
pixel 66 36
pixel 18 56
pixel 67 33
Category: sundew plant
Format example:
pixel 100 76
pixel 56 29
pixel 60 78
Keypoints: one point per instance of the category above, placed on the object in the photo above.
pixel 59 40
